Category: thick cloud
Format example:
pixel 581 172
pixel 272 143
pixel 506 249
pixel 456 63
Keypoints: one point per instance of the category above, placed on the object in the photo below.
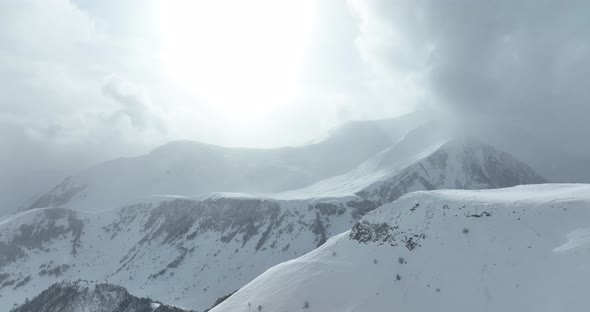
pixel 81 81
pixel 524 61
pixel 61 110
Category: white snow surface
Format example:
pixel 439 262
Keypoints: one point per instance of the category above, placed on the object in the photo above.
pixel 410 149
pixel 524 248
pixel 109 224
pixel 181 251
pixel 189 251
pixel 188 168
pixel 352 157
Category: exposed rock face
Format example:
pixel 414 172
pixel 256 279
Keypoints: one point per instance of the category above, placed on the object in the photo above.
pixel 83 296
pixel 48 225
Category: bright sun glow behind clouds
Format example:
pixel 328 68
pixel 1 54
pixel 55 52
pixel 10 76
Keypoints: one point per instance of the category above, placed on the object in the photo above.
pixel 241 57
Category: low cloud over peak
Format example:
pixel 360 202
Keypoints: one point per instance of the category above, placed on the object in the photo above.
pixel 521 61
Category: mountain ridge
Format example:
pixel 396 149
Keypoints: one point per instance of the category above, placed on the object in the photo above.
pixel 190 251
pixel 87 296
pixel 450 250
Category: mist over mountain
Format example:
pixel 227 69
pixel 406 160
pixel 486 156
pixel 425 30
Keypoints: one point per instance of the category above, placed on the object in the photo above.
pixel 111 224
pixel 190 223
pixel 358 155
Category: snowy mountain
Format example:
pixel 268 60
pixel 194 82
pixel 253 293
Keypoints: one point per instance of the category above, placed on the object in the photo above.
pixel 187 168
pixel 187 252
pixel 524 248
pixel 552 162
pixel 342 162
pixel 424 163
pixel 191 251
pixel 458 164
pixel 84 296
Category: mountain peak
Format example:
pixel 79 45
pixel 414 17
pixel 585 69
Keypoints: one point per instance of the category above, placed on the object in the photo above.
pixel 463 163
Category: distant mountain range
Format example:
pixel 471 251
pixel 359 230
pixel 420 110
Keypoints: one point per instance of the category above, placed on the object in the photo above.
pixel 341 163
pixel 190 223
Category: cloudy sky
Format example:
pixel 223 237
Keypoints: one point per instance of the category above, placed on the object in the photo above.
pixel 83 81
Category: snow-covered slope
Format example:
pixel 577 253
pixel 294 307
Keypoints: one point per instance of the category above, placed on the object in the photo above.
pixel 552 162
pixel 191 251
pixel 343 162
pixel 186 252
pixel 525 248
pixel 190 168
pixel 82 296
pixel 458 164
pixel 416 144
pixel 424 163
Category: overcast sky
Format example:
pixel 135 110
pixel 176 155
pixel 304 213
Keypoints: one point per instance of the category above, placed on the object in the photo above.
pixel 82 81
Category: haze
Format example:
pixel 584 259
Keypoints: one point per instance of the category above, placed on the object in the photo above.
pixel 84 81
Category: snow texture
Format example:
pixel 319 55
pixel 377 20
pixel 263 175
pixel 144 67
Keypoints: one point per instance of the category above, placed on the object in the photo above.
pixel 191 251
pixel 523 248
